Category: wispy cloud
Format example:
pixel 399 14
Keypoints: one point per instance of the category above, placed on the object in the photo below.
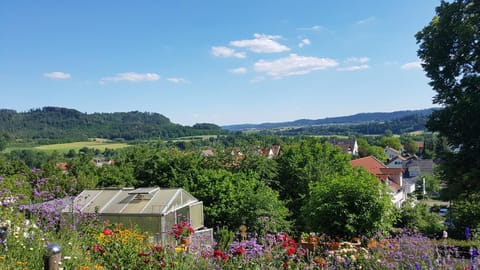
pixel 293 65
pixel 132 77
pixel 304 42
pixel 412 65
pixel 357 60
pixel 222 51
pixel 261 44
pixel 240 70
pixel 354 64
pixel 353 68
pixel 367 20
pixel 313 28
pixel 177 80
pixel 57 75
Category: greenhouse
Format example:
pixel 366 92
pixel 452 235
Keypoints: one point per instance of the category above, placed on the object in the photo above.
pixel 154 210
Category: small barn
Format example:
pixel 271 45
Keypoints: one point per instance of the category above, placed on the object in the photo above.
pixel 151 209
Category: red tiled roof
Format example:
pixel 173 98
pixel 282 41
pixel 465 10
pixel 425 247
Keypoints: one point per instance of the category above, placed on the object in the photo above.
pixel 376 167
pixel 370 163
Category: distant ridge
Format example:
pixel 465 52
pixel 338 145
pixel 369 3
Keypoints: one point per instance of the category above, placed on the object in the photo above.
pixel 57 123
pixel 351 119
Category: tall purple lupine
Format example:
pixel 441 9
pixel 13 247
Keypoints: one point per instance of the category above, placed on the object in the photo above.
pixel 468 235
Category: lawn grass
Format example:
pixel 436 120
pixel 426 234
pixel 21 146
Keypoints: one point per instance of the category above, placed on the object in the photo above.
pixel 100 144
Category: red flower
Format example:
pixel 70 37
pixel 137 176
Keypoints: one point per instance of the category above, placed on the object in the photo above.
pixel 99 248
pixel 240 250
pixel 143 254
pixel 182 229
pixel 107 232
pixel 291 251
pixel 218 253
pixel 158 249
pixel 286 266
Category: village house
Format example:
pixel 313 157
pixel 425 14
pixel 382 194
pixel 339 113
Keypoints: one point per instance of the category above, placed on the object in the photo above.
pixel 391 152
pixel 349 146
pixel 392 177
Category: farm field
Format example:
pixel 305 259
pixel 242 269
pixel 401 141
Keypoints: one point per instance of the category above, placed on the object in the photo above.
pixel 100 144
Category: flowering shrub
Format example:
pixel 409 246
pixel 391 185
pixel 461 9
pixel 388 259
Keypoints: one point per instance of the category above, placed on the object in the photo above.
pixel 182 229
pixel 117 248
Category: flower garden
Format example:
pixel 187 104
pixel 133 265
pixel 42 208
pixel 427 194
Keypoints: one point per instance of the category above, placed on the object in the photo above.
pixel 88 243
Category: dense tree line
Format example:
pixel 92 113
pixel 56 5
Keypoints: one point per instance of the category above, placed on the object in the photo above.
pixel 401 125
pixel 56 124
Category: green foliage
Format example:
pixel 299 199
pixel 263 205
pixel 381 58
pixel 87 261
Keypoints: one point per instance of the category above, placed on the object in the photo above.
pixel 393 142
pixel 449 50
pixel 465 211
pixel 432 183
pixel 365 149
pixel 301 164
pixel 234 199
pixel 349 205
pixel 418 218
pixel 58 125
pixel 411 146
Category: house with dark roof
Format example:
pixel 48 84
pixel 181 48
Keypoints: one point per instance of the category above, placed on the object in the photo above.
pixel 349 146
pixel 391 152
pixel 392 177
pixel 396 162
pixel 415 168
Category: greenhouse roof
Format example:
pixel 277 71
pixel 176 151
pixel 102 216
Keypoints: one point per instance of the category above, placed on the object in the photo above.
pixel 147 201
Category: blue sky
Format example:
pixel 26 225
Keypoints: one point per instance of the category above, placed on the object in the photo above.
pixel 222 62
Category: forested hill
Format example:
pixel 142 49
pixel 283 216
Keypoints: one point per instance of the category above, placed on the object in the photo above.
pixel 352 119
pixel 62 123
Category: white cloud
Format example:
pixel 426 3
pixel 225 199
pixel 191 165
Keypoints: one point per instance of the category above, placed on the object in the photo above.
pixel 261 44
pixel 132 77
pixel 313 28
pixel 354 64
pixel 353 68
pixel 367 20
pixel 412 65
pixel 177 80
pixel 293 65
pixel 240 70
pixel 57 75
pixel 358 60
pixel 304 42
pixel 222 51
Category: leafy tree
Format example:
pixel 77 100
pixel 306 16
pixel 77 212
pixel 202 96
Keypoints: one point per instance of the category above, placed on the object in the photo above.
pixel 365 149
pixel 349 205
pixel 393 142
pixel 301 164
pixel 449 47
pixel 465 212
pixel 232 199
pixel 432 182
pixel 418 218
pixel 411 146
pixel 265 168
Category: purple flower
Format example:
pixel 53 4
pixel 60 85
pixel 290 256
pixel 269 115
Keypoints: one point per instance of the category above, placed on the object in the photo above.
pixel 467 233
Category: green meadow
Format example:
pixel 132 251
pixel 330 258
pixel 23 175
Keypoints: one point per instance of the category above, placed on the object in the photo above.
pixel 100 144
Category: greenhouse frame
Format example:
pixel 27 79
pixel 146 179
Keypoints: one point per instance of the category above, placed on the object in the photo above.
pixel 151 209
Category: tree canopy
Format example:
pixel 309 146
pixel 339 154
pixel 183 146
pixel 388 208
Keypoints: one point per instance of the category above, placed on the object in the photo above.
pixel 349 205
pixel 449 47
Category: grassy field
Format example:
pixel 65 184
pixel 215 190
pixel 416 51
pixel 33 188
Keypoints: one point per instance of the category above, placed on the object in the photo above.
pixel 100 144
pixel 194 138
